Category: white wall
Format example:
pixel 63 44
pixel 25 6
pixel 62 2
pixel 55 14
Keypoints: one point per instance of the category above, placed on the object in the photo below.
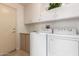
pixel 61 23
pixel 20 21
pixel 21 28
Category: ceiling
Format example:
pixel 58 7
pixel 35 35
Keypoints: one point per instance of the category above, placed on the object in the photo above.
pixel 25 4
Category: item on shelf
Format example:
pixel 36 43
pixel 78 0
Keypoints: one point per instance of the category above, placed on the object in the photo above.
pixel 54 5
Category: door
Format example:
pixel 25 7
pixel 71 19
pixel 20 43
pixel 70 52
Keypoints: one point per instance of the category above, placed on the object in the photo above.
pixel 7 29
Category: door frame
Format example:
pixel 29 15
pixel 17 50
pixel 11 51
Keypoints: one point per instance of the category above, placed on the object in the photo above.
pixel 17 7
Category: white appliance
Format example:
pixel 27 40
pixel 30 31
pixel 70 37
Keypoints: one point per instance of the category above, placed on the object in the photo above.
pixel 37 44
pixel 63 42
pixel 62 45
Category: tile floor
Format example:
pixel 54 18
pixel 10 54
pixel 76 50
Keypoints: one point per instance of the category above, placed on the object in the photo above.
pixel 18 53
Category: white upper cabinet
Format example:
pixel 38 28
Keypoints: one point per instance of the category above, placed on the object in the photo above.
pixel 38 12
pixel 68 11
pixel 47 15
pixel 32 13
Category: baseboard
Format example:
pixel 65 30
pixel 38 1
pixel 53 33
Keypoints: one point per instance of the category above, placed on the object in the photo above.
pixel 8 53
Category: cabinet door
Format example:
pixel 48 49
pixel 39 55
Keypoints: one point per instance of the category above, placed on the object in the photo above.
pixel 68 11
pixel 25 42
pixel 63 47
pixel 28 11
pixel 32 13
pixel 47 15
pixel 36 7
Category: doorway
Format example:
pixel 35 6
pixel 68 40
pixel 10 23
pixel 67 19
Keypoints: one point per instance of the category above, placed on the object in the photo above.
pixel 7 29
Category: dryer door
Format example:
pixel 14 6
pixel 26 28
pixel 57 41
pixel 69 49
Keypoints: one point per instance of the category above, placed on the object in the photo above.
pixel 60 46
pixel 38 44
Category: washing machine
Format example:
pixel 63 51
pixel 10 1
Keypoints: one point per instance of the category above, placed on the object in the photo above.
pixel 63 43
